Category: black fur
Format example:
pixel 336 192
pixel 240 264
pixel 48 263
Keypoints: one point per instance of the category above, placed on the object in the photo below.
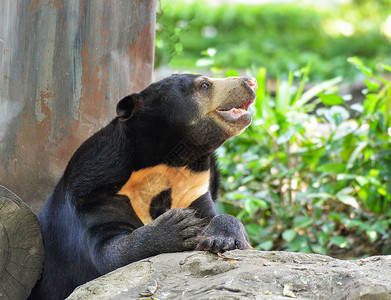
pixel 160 204
pixel 89 229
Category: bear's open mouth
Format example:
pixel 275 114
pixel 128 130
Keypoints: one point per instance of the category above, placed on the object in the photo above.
pixel 235 113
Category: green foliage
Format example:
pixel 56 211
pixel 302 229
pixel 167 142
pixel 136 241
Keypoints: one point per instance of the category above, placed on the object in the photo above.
pixel 307 176
pixel 280 37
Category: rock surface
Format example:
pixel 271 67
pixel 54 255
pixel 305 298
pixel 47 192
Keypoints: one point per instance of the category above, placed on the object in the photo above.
pixel 21 247
pixel 246 274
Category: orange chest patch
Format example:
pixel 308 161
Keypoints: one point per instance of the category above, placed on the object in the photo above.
pixel 143 185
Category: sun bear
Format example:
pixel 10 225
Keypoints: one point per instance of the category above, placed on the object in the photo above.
pixel 146 183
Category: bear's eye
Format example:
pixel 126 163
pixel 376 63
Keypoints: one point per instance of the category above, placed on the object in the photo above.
pixel 205 85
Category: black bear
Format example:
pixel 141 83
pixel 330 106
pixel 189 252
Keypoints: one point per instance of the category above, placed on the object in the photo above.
pixel 146 183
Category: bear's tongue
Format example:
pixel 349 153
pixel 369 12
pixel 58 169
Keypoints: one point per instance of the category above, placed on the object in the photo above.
pixel 245 105
pixel 233 114
pixel 240 109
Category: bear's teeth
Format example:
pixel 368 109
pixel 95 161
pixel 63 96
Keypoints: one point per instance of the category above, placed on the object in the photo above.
pixel 237 110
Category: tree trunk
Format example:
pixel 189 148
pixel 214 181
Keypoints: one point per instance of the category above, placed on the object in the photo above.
pixel 21 248
pixel 63 67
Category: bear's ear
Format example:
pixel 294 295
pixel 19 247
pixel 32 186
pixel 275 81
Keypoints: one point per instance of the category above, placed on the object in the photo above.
pixel 127 106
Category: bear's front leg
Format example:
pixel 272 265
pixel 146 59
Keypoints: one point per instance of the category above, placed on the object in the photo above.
pixel 174 231
pixel 223 233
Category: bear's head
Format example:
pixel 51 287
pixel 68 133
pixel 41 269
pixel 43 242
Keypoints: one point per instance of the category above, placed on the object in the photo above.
pixel 198 111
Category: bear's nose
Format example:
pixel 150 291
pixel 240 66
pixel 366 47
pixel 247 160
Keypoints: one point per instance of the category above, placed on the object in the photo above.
pixel 252 82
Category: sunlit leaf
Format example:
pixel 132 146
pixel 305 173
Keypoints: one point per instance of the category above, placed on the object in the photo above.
pixel 260 203
pixel 346 190
pixel 372 235
pixel 231 72
pixel 331 99
pixel 339 241
pixel 360 65
pixel 355 154
pixel 387 67
pixel 332 168
pixel 312 92
pixel 372 85
pixel 289 235
pixel 327 228
pixel 374 172
pixel 348 200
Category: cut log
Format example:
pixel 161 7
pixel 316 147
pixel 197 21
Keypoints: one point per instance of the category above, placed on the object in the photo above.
pixel 244 274
pixel 21 247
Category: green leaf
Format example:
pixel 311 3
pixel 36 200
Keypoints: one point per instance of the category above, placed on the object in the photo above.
pixel 178 48
pixel 360 65
pixel 260 203
pixel 267 245
pixel 289 235
pixel 231 72
pixel 346 191
pixel 345 177
pixel 331 99
pixel 323 237
pixel 382 191
pixel 300 243
pixel 333 168
pixel 374 173
pixel 372 235
pixel 373 86
pixel 327 228
pixel 334 216
pixel 348 200
pixel 319 249
pixel 303 222
pixel 388 106
pixel 381 226
pixel 283 97
pixel 353 223
pixel 305 71
pixel 253 229
pixel 312 92
pixel 353 157
pixel 362 180
pixel 261 79
pixel 387 67
pixel 234 196
pixel 250 207
pixel 339 241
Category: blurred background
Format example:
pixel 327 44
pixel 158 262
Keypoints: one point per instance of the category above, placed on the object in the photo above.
pixel 312 173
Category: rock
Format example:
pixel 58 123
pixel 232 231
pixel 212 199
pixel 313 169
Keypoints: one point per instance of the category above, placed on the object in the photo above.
pixel 21 247
pixel 246 274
